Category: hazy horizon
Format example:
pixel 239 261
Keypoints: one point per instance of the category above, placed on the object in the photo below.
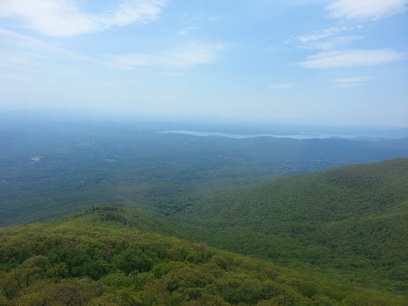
pixel 238 128
pixel 316 62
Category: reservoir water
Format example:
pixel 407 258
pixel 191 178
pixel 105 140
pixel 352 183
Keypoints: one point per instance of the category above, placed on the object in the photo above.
pixel 245 136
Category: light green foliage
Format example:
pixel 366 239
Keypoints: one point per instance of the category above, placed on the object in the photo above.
pixel 79 264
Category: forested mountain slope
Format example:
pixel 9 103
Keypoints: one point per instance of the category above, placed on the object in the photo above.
pixel 350 222
pixel 107 263
pixel 344 228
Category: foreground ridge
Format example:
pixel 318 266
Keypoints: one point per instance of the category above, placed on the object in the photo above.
pixel 82 264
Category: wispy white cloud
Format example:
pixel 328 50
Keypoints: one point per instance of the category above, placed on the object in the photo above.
pixel 365 9
pixel 20 51
pixel 283 85
pixel 353 81
pixel 68 17
pixel 18 42
pixel 179 56
pixel 186 31
pixel 195 22
pixel 334 43
pixel 351 58
pixel 321 34
pixel 327 39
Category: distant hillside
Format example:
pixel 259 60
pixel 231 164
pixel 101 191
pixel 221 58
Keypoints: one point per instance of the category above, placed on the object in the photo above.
pixel 51 168
pixel 343 229
pixel 350 222
pixel 101 261
pixel 117 216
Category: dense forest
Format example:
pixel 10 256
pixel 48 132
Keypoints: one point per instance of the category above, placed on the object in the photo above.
pixel 100 264
pixel 138 217
pixel 351 221
pixel 117 255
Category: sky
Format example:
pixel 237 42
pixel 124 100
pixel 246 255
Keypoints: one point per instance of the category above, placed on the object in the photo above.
pixel 341 62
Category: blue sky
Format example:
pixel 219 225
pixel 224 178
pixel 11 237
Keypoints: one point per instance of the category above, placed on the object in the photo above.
pixel 342 62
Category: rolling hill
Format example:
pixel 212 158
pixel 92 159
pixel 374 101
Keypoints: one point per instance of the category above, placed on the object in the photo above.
pixel 341 229
pixel 350 222
pixel 102 261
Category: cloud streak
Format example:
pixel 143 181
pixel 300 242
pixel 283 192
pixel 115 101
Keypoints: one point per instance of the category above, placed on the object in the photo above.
pixel 179 56
pixel 351 58
pixel 333 43
pixel 68 18
pixel 322 34
pixel 24 51
pixel 353 81
pixel 21 51
pixel 327 39
pixel 283 85
pixel 365 9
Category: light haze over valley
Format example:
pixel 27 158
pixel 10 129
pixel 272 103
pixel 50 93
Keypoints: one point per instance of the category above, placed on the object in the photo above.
pixel 202 152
